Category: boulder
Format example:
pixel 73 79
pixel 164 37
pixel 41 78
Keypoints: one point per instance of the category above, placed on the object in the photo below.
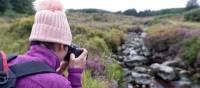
pixel 141 69
pixel 131 61
pixel 164 72
pixel 133 52
pixel 141 78
pixel 127 75
pixel 173 63
pixel 155 84
pixel 184 82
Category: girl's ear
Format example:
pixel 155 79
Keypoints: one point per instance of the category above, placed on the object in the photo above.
pixel 59 47
pixel 62 47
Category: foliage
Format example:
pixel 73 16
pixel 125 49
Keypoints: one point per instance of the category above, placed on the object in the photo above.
pixel 132 12
pixel 88 10
pixel 95 44
pixel 114 71
pixel 99 18
pixel 15 35
pixel 175 39
pixel 196 78
pixel 193 15
pixel 191 4
pixel 14 46
pixel 10 13
pixel 21 27
pixel 114 38
pixel 4 4
pixel 89 82
pixel 160 38
pixel 22 6
pixel 96 66
pixel 190 49
pixel 145 13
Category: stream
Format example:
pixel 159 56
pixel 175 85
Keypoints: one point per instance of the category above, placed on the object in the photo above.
pixel 141 71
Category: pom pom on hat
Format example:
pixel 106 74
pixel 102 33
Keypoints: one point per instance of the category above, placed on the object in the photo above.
pixel 52 5
pixel 50 24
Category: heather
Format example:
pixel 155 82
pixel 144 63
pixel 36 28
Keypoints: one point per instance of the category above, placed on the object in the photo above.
pixel 126 49
pixel 171 38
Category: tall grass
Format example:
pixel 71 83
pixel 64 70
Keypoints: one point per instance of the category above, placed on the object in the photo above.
pixel 89 82
pixel 114 71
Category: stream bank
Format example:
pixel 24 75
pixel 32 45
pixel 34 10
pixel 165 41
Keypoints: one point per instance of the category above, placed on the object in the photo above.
pixel 143 68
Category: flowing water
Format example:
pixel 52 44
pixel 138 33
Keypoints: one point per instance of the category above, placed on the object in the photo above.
pixel 141 71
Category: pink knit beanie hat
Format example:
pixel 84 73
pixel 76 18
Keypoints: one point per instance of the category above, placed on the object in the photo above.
pixel 50 24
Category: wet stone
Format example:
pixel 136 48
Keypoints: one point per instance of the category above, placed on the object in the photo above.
pixel 183 82
pixel 141 69
pixel 141 78
pixel 165 72
pixel 155 84
pixel 135 60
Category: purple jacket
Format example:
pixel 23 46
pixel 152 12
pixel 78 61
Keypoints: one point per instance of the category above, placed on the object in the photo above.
pixel 46 80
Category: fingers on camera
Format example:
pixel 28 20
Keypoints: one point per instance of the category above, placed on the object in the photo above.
pixel 84 54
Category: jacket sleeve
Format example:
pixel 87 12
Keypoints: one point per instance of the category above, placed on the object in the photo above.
pixel 75 77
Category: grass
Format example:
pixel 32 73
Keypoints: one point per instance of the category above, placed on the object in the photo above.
pixel 14 35
pixel 89 82
pixel 190 49
pixel 114 71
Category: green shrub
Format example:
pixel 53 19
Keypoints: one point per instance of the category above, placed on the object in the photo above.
pixel 21 27
pixel 15 46
pixel 79 29
pixel 87 31
pixel 12 14
pixel 196 78
pixel 95 45
pixel 160 38
pixel 114 71
pixel 190 49
pixel 99 18
pixel 89 82
pixel 193 15
pixel 4 4
pixel 4 25
pixel 99 44
pixel 153 22
pixel 14 36
pixel 174 40
pixel 22 6
pixel 114 38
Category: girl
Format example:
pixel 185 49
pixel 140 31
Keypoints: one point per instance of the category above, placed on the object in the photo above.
pixel 49 41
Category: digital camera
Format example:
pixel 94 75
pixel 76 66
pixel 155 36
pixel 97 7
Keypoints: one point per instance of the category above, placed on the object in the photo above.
pixel 73 49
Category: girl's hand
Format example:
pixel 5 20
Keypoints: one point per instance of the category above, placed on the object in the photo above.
pixel 63 66
pixel 78 62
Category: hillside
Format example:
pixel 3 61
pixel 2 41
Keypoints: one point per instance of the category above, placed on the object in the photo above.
pixel 99 33
pixel 115 42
